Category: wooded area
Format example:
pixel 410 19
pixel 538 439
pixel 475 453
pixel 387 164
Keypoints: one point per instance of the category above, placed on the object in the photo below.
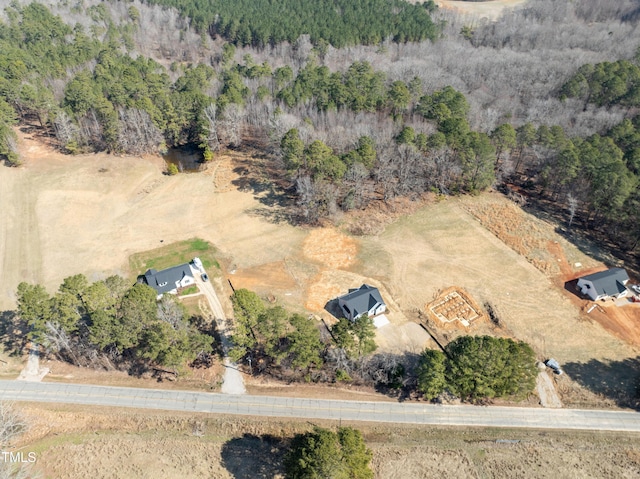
pixel 110 324
pixel 336 22
pixel 471 109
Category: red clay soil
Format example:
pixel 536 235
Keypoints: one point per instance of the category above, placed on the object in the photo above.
pixel 622 321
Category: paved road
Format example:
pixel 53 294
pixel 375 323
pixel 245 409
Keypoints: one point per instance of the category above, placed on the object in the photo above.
pixel 320 408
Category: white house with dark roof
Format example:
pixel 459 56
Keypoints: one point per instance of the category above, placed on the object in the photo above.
pixel 169 280
pixel 363 300
pixel 605 284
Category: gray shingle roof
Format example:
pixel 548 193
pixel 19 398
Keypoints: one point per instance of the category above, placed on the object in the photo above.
pixel 361 300
pixel 165 280
pixel 609 282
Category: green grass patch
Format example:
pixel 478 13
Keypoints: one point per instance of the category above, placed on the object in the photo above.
pixel 173 255
pixel 193 289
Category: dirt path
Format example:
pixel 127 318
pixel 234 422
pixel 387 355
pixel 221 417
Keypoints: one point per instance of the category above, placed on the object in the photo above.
pixel 233 381
pixel 547 391
pixel 32 370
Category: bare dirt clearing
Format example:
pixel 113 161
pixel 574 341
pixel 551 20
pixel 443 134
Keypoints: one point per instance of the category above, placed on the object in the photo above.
pixel 82 441
pixel 490 9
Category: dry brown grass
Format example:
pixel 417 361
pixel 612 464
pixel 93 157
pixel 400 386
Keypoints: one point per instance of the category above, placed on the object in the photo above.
pixel 82 441
pixel 524 235
pixel 491 9
pixel 441 244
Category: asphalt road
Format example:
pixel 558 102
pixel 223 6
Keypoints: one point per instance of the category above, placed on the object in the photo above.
pixel 321 408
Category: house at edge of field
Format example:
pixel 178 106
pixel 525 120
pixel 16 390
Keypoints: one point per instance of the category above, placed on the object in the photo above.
pixel 363 300
pixel 605 284
pixel 168 280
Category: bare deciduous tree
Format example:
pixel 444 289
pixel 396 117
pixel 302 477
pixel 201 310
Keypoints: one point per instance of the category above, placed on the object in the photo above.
pixel 572 203
pixel 230 124
pixel 170 311
pixel 211 115
pixel 138 134
pixel 66 130
pixel 12 423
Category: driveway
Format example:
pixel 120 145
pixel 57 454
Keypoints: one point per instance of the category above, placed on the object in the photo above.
pixel 233 382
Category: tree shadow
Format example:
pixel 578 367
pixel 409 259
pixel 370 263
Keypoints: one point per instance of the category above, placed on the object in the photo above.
pixel 616 380
pixel 583 235
pixel 274 215
pixel 248 182
pixel 12 333
pixel 251 456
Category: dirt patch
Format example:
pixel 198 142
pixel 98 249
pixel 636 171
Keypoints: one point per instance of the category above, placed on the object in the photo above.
pixel 270 276
pixel 330 248
pixel 620 318
pixel 328 285
pixel 489 9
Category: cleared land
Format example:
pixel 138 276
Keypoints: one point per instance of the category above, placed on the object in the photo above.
pixel 491 9
pixel 80 442
pixel 90 213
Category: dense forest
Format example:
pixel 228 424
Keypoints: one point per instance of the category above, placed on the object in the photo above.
pixel 336 22
pixel 348 120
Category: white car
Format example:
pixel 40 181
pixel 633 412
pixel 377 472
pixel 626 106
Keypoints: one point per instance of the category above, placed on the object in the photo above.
pixel 198 264
pixel 636 288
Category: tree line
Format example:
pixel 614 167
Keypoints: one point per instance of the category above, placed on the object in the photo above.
pixel 110 323
pixel 337 22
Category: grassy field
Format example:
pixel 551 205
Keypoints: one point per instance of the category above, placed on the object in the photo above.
pixel 82 441
pixel 174 254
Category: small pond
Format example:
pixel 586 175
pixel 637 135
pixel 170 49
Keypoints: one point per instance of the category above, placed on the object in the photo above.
pixel 187 158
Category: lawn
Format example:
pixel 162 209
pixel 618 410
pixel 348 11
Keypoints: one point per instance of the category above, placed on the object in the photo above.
pixel 175 254
pixel 190 290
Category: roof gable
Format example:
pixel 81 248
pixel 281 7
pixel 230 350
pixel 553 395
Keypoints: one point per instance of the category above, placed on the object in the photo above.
pixel 610 282
pixel 361 300
pixel 165 280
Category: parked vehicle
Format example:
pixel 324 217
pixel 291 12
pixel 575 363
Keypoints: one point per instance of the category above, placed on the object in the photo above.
pixel 553 364
pixel 198 264
pixel 636 288
pixel 205 277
